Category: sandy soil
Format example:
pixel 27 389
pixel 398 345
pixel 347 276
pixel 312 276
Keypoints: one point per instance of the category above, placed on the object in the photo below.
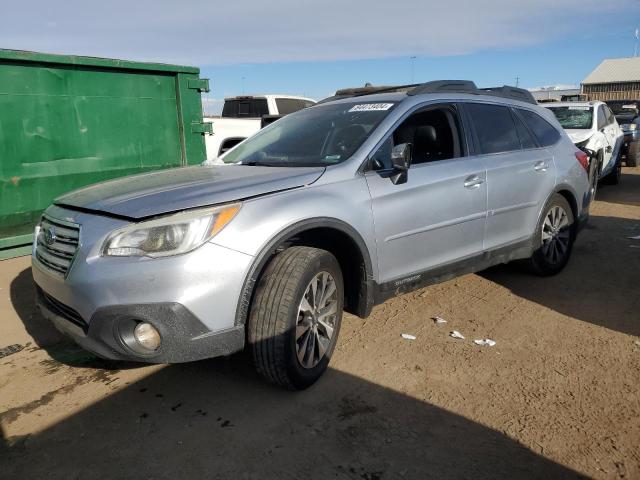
pixel 558 396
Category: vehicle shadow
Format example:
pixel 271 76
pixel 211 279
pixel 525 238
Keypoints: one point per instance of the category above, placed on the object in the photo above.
pixel 217 419
pixel 599 285
pixel 626 193
pixel 22 292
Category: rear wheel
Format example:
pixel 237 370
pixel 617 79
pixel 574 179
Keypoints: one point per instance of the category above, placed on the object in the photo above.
pixel 554 237
pixel 614 177
pixel 295 317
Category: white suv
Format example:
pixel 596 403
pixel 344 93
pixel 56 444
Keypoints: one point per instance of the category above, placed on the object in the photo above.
pixel 593 128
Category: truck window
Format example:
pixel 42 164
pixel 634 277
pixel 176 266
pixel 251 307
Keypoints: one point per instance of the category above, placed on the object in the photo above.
pixel 289 105
pixel 245 108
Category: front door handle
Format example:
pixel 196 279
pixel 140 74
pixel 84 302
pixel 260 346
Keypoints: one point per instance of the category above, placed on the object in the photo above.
pixel 474 181
pixel 541 166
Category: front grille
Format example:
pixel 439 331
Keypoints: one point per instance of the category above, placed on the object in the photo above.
pixel 63 310
pixel 56 244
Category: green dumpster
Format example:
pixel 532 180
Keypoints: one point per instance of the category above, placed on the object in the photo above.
pixel 68 121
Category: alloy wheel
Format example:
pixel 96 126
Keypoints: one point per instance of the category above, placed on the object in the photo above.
pixel 556 235
pixel 316 319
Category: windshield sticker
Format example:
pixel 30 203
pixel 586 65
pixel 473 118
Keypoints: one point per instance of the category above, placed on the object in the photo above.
pixel 371 107
pixel 579 108
pixel 332 158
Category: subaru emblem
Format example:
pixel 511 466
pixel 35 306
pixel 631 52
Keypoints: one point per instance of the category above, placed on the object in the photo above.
pixel 50 235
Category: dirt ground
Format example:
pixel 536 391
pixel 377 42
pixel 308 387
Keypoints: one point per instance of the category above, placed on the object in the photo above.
pixel 558 396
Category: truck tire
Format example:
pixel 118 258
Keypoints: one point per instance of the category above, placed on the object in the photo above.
pixel 553 239
pixel 295 317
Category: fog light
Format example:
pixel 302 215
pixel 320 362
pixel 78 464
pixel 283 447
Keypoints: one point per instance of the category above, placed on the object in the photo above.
pixel 147 336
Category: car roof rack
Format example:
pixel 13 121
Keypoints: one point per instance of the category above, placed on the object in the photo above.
pixel 467 86
pixel 438 86
pixel 368 89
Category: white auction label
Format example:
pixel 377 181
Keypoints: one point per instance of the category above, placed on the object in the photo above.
pixel 371 107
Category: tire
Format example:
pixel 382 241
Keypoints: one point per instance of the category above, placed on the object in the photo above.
pixel 287 343
pixel 633 155
pixel 559 238
pixel 594 174
pixel 614 177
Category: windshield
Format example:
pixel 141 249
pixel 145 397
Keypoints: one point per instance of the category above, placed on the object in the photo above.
pixel 623 107
pixel 318 136
pixel 574 117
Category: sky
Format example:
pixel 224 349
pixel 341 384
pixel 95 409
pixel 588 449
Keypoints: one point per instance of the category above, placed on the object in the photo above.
pixel 312 48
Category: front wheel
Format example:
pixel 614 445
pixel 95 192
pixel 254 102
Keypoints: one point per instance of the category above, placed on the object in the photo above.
pixel 295 317
pixel 553 238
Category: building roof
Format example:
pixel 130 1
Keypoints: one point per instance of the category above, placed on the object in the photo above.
pixel 613 70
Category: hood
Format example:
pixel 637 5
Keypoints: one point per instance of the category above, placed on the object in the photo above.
pixel 172 190
pixel 579 135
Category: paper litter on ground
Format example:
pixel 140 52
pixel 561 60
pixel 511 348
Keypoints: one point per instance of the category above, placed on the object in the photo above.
pixel 457 334
pixel 408 336
pixel 486 341
pixel 439 320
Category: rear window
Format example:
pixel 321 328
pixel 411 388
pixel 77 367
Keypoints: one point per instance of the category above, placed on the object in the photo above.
pixel 290 105
pixel 546 134
pixel 245 108
pixel 494 127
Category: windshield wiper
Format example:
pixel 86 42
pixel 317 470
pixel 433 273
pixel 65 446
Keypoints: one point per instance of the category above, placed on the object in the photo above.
pixel 258 163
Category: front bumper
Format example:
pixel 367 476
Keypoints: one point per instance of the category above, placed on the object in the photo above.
pixel 184 337
pixel 191 299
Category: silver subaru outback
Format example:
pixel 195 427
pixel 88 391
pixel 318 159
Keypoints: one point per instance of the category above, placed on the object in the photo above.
pixel 369 194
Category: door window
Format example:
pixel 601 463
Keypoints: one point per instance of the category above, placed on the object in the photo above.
pixel 526 139
pixel 434 134
pixel 494 128
pixel 546 133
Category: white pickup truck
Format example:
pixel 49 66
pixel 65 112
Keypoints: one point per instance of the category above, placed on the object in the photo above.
pixel 245 115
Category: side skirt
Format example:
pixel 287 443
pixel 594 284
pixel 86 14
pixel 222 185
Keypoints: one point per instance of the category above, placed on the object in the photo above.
pixel 417 280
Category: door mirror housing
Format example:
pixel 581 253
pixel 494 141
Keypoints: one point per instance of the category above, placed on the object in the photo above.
pixel 400 162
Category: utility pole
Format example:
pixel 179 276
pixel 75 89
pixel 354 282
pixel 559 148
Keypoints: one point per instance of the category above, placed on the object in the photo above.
pixel 413 61
pixel 517 82
pixel 635 46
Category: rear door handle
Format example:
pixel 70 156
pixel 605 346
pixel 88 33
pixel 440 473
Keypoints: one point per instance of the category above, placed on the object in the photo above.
pixel 541 166
pixel 474 181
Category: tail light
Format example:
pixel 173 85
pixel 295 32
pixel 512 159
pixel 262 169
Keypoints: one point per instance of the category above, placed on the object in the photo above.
pixel 583 158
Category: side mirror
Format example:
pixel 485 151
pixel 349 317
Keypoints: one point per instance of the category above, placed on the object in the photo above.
pixel 400 161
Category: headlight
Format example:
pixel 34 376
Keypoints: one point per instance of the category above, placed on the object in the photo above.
pixel 171 235
pixel 632 127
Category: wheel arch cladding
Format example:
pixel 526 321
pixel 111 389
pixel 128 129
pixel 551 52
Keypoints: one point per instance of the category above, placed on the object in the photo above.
pixel 333 235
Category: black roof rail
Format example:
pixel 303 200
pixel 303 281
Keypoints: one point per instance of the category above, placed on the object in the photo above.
pixel 513 93
pixel 444 86
pixel 438 86
pixel 367 90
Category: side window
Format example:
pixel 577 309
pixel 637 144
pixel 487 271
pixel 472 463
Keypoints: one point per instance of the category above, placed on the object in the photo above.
pixel 288 105
pixel 546 133
pixel 610 117
pixel 526 140
pixel 433 135
pixel 602 118
pixel 494 127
